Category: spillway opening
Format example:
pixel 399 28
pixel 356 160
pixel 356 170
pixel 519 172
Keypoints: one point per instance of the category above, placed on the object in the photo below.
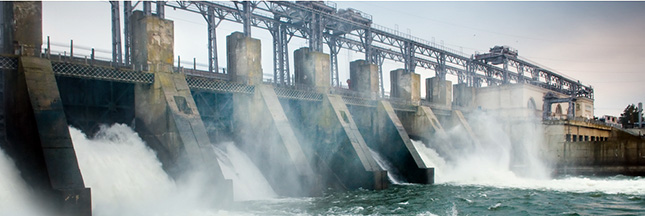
pixel 393 174
pixel 127 178
pixel 248 181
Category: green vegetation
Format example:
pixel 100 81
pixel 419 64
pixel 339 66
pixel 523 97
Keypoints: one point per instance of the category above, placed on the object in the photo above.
pixel 629 117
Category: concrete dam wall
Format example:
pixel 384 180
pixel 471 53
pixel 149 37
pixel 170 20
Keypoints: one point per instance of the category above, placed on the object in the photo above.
pixel 304 139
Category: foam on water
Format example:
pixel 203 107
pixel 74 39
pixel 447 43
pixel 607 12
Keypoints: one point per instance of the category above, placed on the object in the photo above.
pixel 15 197
pixel 479 172
pixel 127 178
pixel 489 164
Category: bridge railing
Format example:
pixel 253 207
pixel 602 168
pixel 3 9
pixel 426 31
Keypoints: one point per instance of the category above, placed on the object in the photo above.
pixel 416 39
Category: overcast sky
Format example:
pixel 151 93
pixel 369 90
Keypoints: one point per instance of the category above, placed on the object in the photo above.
pixel 602 44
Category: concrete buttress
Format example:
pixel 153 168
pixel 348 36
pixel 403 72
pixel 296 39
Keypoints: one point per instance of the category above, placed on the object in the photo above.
pixel 38 138
pixel 424 125
pixel 459 119
pixel 395 145
pixel 263 131
pixel 166 115
pixel 342 148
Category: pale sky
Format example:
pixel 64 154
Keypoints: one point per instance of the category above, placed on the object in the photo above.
pixel 599 43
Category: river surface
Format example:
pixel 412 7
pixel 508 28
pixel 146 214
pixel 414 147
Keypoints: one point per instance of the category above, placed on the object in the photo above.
pixel 127 179
pixel 593 197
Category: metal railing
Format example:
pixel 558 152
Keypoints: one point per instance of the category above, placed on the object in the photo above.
pixel 417 39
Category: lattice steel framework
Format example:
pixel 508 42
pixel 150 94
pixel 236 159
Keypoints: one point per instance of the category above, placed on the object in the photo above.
pixel 321 22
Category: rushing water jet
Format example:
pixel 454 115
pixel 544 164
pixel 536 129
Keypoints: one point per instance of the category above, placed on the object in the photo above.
pixel 16 198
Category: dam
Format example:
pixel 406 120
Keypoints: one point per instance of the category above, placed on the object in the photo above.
pixel 304 132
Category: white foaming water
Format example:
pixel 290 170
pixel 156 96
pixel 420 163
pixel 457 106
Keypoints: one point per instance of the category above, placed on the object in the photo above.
pixel 490 164
pixel 126 177
pixel 248 181
pixel 384 164
pixel 446 173
pixel 15 196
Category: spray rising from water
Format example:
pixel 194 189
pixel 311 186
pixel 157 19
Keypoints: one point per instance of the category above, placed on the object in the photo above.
pixel 511 160
pixel 248 181
pixel 127 178
pixel 15 196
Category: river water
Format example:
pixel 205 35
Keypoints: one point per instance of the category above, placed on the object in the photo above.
pixel 599 197
pixel 127 179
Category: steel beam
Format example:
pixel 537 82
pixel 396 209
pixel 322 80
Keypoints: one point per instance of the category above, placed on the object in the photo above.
pixel 116 33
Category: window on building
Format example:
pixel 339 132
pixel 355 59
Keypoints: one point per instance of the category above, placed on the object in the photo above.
pixel 586 138
pixel 593 138
pixel 568 138
pixel 574 138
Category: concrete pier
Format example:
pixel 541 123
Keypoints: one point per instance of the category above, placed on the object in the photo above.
pixel 261 127
pixel 439 91
pixel 364 78
pixel 393 142
pixel 263 131
pixel 166 114
pixel 37 135
pixel 311 69
pixel 464 96
pixel 244 62
pixel 343 149
pixel 405 85
pixel 424 125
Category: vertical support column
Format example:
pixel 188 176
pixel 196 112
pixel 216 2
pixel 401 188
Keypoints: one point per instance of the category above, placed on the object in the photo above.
pixel 244 59
pixel 364 78
pixel 213 66
pixel 161 9
pixel 312 69
pixel 439 91
pixel 334 49
pixel 246 18
pixel 278 76
pixel 147 8
pixel 440 70
pixel 281 73
pixel 316 32
pixel 520 70
pixel 116 33
pixel 405 85
pixel 379 60
pixel 464 96
pixel 23 28
pixel 127 30
pixel 408 55
pixel 167 117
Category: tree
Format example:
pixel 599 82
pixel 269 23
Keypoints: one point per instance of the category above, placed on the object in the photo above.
pixel 629 116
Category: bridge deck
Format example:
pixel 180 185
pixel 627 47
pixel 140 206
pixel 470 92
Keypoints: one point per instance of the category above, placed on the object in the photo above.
pixel 200 80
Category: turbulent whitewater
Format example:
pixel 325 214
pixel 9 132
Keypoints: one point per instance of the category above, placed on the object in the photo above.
pixel 127 178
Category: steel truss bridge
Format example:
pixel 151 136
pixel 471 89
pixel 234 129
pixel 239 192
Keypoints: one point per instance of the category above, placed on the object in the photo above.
pixel 321 23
